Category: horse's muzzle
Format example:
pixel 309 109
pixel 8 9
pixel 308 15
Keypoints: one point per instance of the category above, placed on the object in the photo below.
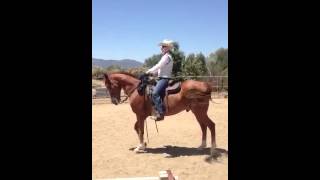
pixel 115 101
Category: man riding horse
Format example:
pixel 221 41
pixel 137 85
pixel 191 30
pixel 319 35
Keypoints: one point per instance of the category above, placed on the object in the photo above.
pixel 192 95
pixel 163 69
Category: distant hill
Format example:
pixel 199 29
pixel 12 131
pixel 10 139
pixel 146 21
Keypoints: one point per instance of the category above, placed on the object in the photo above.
pixel 124 63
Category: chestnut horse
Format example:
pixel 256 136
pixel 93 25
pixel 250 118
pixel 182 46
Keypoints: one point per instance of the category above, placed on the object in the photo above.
pixel 194 96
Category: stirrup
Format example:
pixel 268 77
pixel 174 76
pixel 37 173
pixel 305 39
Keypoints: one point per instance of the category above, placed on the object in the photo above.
pixel 157 117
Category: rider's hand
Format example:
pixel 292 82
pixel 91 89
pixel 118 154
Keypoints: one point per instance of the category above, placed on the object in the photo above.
pixel 148 74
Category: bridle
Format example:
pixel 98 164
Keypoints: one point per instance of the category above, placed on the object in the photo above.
pixel 129 94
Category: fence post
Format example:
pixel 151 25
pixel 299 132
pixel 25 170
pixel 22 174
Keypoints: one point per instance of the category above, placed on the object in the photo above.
pixel 218 87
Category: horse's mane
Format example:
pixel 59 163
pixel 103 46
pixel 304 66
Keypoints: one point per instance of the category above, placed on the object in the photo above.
pixel 126 73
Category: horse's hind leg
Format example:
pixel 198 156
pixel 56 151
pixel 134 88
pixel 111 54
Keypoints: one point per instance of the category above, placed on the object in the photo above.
pixel 139 127
pixel 200 111
pixel 204 134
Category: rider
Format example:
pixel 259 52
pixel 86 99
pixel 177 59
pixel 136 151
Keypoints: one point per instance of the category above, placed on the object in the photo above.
pixel 163 69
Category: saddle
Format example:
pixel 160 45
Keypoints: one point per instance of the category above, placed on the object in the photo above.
pixel 174 86
pixel 147 84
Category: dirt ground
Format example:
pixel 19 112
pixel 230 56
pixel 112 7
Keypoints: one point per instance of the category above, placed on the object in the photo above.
pixel 174 147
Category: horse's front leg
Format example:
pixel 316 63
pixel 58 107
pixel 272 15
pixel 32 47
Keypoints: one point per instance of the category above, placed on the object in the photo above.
pixel 139 127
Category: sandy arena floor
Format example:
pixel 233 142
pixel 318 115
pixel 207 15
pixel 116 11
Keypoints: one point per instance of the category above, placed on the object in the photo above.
pixel 174 148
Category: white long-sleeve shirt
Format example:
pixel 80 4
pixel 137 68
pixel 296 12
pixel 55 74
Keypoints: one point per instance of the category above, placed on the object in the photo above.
pixel 163 67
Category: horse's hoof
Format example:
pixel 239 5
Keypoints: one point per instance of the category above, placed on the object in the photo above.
pixel 139 150
pixel 136 150
pixel 213 151
pixel 201 148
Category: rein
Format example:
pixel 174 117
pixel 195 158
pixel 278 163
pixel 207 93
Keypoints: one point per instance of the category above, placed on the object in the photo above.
pixel 144 102
pixel 129 94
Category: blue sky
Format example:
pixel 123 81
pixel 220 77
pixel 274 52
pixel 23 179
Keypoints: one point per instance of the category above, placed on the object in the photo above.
pixel 132 29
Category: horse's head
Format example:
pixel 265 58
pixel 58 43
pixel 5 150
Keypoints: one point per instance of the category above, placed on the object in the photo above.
pixel 113 87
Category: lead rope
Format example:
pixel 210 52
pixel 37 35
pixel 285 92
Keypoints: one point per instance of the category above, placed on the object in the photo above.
pixel 144 104
pixel 156 126
pixel 147 130
pixel 155 122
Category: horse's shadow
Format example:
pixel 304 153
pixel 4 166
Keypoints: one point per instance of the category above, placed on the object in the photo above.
pixel 176 151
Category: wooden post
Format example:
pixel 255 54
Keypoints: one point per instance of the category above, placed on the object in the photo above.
pixel 166 175
pixel 163 175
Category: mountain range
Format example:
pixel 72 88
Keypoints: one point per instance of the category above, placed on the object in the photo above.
pixel 124 63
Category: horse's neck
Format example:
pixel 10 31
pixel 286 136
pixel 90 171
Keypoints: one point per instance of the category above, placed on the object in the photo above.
pixel 129 84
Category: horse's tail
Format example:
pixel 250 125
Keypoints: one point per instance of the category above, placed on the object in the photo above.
pixel 210 98
pixel 213 101
pixel 196 94
pixel 200 95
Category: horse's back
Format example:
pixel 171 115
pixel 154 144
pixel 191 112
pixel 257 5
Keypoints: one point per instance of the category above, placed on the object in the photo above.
pixel 193 88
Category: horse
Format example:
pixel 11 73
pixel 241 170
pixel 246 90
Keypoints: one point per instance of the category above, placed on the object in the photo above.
pixel 193 95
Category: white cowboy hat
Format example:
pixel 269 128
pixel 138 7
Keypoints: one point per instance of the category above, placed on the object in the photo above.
pixel 167 42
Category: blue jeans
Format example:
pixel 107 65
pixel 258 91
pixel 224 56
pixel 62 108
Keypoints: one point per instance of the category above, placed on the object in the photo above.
pixel 158 94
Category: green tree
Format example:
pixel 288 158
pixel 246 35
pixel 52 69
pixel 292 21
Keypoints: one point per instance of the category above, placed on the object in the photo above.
pixel 217 62
pixel 113 68
pixel 194 65
pixel 178 57
pixel 97 72
pixel 188 68
pixel 137 71
pixel 222 57
pixel 151 61
pixel 201 61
